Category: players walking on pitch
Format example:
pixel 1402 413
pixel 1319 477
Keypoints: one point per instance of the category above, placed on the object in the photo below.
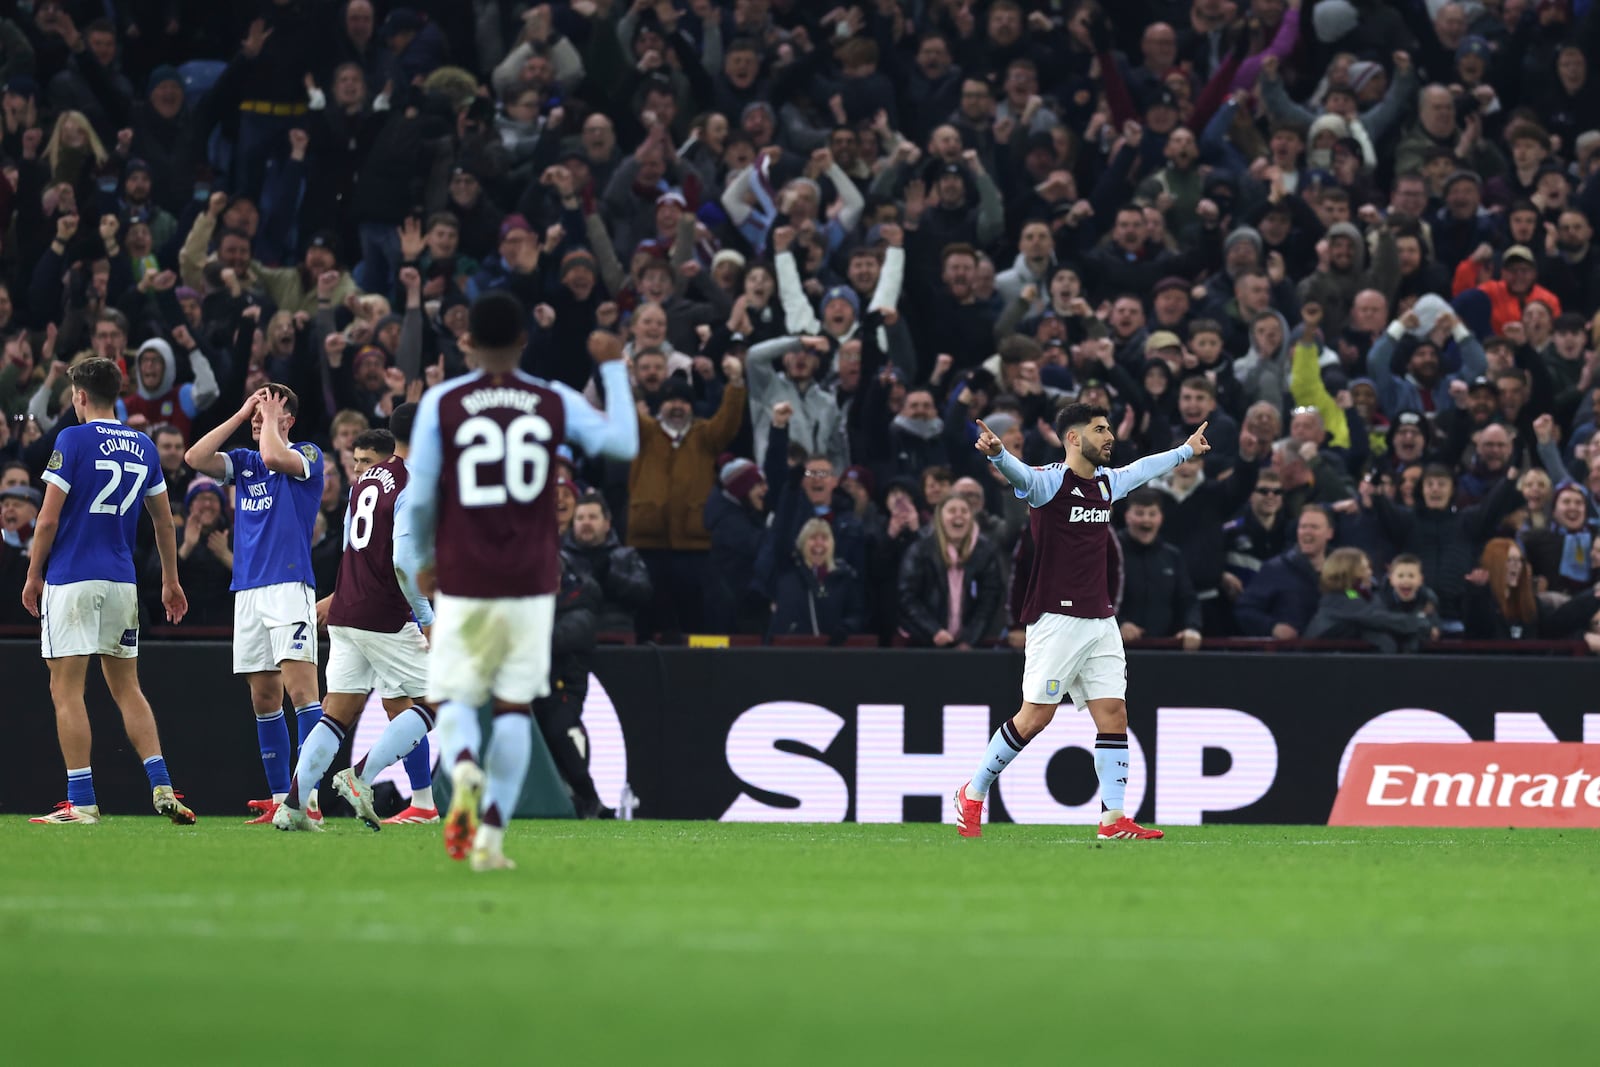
pixel 481 510
pixel 1073 643
pixel 81 583
pixel 375 640
pixel 279 492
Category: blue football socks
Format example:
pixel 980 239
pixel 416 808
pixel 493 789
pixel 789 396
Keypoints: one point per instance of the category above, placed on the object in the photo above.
pixel 80 787
pixel 276 752
pixel 155 769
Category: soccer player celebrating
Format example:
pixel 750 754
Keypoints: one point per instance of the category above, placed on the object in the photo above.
pixel 1073 642
pixel 481 509
pixel 81 582
pixel 279 492
pixel 374 639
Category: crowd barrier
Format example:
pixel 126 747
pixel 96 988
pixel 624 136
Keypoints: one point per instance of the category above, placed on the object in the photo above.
pixel 884 735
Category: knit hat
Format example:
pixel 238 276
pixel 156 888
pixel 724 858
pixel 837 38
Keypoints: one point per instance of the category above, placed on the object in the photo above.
pixel 1244 233
pixel 845 293
pixel 204 485
pixel 863 477
pixel 739 477
pixel 1345 229
pixel 23 492
pixel 164 73
pixel 677 389
pixel 184 292
pixel 1334 124
pixel 1332 19
pixel 577 259
pixel 1002 423
pixel 727 255
pixel 1362 73
pixel 514 221
pixel 1474 46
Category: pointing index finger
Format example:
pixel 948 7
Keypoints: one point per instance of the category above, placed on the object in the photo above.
pixel 984 428
pixel 1202 430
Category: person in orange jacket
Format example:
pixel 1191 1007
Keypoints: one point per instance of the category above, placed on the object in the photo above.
pixel 1518 284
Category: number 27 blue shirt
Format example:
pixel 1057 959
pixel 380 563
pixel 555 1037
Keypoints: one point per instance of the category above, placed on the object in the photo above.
pixel 107 471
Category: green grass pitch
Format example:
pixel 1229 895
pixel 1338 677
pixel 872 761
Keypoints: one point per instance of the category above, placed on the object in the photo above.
pixel 641 943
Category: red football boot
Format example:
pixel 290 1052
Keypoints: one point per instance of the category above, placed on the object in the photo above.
pixel 969 814
pixel 266 809
pixel 1125 829
pixel 413 815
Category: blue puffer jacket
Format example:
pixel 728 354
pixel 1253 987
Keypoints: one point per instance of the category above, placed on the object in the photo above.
pixel 1286 590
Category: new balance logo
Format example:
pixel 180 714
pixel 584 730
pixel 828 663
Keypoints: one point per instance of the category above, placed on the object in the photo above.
pixel 1082 514
pixel 1077 492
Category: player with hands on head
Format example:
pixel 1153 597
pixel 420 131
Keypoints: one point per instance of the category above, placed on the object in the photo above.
pixel 1073 643
pixel 278 493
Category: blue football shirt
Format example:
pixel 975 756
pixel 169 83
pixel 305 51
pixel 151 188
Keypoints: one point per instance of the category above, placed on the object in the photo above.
pixel 106 470
pixel 275 518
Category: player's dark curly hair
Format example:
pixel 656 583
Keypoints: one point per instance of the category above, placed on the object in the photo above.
pixel 379 441
pixel 1076 416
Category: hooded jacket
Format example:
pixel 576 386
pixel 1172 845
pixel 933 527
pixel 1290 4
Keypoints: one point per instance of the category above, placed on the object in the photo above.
pixel 1404 394
pixel 167 402
pixel 1336 290
pixel 1261 374
pixel 817 422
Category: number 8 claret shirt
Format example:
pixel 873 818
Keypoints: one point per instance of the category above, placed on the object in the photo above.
pixel 368 596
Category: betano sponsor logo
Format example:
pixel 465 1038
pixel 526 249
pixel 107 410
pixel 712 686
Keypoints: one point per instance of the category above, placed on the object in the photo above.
pixel 1482 783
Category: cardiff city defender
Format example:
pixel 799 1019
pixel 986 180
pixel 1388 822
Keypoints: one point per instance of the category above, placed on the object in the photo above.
pixel 279 492
pixel 82 587
pixel 375 639
pixel 481 508
pixel 1073 643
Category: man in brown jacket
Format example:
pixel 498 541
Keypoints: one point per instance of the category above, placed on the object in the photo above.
pixel 675 471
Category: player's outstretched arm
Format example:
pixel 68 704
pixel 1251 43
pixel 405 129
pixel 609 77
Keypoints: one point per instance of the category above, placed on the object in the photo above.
pixel 416 512
pixel 44 539
pixel 403 549
pixel 1125 480
pixel 615 434
pixel 1035 486
pixel 205 455
pixel 173 599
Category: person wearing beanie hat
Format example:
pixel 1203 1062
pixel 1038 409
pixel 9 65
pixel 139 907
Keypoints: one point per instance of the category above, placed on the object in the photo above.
pixel 740 478
pixel 675 471
pixel 205 555
pixel 160 76
pixel 1345 272
pixel 736 518
pixel 1242 249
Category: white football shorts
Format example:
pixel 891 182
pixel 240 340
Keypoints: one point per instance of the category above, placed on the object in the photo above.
pixel 89 618
pixel 361 661
pixel 484 648
pixel 1066 654
pixel 272 624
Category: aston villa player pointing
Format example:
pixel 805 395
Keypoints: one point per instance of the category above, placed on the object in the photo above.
pixel 481 508
pixel 1073 644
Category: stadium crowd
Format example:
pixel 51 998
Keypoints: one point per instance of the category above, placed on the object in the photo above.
pixel 1356 238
